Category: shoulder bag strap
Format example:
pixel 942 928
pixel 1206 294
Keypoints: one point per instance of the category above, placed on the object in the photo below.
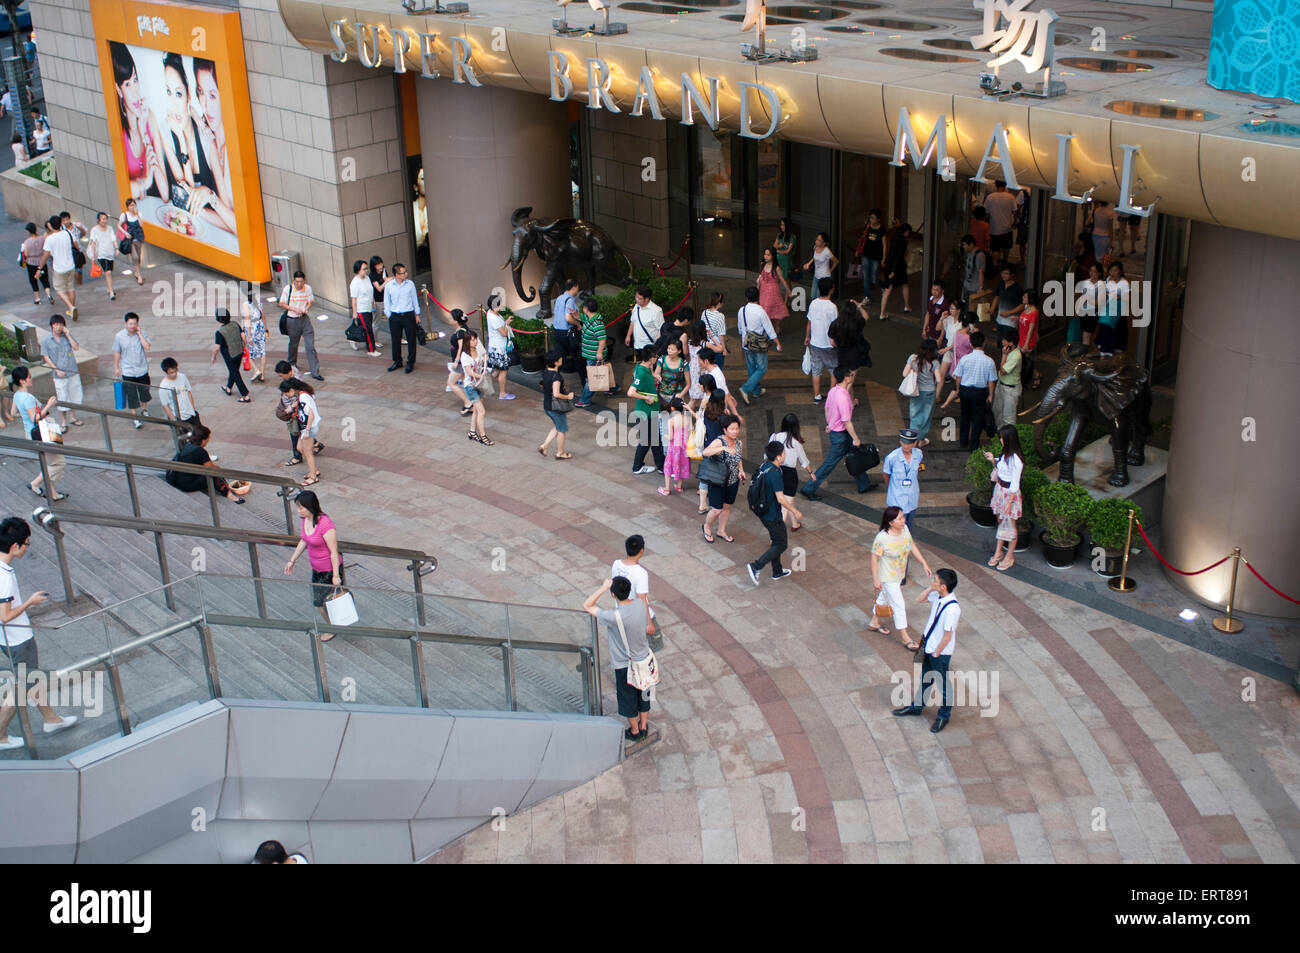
pixel 640 322
pixel 622 632
pixel 937 616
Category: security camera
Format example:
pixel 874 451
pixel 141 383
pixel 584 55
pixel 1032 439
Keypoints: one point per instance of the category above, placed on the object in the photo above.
pixel 989 82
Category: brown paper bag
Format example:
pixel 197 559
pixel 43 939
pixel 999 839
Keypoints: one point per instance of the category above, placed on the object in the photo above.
pixel 600 377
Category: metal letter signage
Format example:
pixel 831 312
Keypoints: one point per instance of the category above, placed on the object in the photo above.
pixel 1010 42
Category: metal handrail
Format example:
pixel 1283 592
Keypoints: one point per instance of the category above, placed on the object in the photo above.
pixel 177 429
pixel 202 624
pixel 129 462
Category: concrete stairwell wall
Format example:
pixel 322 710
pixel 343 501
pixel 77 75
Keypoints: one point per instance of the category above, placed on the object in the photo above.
pixel 338 783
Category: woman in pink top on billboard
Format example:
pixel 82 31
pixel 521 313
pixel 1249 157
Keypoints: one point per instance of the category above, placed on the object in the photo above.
pixel 212 134
pixel 142 138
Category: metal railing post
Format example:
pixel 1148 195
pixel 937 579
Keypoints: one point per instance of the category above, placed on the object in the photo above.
pixel 419 590
pixel 255 567
pixel 288 513
pixel 212 499
pixel 162 569
pixel 62 555
pixel 584 664
pixel 318 666
pixel 508 667
pixel 595 656
pixel 209 661
pixel 47 484
pixel 131 488
pixel 108 437
pixel 119 697
pixel 417 666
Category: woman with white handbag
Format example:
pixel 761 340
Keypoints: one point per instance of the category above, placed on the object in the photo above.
pixel 920 382
pixel 320 540
pixel 38 425
pixel 636 671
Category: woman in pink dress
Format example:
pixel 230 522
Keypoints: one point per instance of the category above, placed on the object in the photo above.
pixel 772 288
pixel 677 465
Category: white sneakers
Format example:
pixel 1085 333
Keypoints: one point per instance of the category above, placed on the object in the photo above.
pixel 644 469
pixel 67 722
pixel 10 743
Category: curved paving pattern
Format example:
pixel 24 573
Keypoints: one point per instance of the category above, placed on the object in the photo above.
pixel 1110 743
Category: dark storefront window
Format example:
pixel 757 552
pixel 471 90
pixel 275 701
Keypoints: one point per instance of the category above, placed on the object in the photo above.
pixel 718 233
pixel 1171 291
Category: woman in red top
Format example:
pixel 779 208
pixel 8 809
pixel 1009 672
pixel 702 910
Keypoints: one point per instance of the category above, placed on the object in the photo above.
pixel 772 287
pixel 1029 338
pixel 321 542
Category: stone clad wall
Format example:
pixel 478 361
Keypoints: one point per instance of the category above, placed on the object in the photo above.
pixel 633 211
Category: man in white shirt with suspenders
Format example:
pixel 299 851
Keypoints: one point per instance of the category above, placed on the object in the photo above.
pixel 940 640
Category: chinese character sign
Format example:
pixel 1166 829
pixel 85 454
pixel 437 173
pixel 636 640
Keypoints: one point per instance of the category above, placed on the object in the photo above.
pixel 1015 34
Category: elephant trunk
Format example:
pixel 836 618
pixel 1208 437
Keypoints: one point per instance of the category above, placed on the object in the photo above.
pixel 517 257
pixel 1051 404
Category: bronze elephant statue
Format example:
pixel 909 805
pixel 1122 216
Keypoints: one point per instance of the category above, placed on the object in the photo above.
pixel 564 244
pixel 1097 388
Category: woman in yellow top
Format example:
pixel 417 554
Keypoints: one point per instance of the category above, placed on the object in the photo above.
pixel 889 553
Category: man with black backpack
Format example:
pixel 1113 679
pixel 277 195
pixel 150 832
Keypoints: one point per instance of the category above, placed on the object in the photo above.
pixel 767 499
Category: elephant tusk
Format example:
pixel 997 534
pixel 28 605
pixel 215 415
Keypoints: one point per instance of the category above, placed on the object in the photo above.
pixel 503 267
pixel 1030 410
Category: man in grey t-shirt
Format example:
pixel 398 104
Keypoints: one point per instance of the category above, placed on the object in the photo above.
pixel 57 353
pixel 632 703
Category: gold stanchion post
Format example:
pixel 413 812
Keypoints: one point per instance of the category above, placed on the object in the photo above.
pixel 1123 583
pixel 1227 623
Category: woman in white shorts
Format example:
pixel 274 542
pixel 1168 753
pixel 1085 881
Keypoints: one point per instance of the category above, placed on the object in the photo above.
pixel 889 553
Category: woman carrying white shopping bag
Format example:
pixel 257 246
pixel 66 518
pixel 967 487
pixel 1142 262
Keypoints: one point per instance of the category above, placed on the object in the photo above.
pixel 636 672
pixel 321 542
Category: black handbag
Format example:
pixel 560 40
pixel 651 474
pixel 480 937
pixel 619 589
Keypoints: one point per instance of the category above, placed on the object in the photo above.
pixel 421 335
pixel 124 246
pixel 713 470
pixel 284 322
pixel 861 459
pixel 356 332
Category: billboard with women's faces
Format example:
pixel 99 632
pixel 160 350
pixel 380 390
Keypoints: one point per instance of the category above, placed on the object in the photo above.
pixel 180 129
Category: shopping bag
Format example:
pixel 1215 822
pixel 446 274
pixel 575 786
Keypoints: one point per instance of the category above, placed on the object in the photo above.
pixel 119 396
pixel 695 446
pixel 806 366
pixel 600 377
pixel 341 607
pixel 96 270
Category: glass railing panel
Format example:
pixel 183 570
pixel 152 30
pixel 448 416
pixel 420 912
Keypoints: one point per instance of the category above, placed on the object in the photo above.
pixel 464 677
pixel 454 616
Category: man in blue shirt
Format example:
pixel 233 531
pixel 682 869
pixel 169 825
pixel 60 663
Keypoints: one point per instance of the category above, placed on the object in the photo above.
pixel 976 376
pixel 401 307
pixel 565 319
pixel 773 484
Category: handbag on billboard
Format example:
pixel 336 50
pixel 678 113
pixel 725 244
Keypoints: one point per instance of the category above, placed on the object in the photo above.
pixel 600 377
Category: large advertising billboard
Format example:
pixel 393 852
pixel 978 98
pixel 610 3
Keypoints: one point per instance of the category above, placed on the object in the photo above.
pixel 181 130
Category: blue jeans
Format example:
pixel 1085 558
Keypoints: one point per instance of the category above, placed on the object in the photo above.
pixel 935 669
pixel 756 364
pixel 919 410
pixel 870 269
pixel 840 446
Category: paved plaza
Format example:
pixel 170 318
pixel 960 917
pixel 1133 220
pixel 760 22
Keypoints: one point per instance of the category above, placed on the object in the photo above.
pixel 1100 741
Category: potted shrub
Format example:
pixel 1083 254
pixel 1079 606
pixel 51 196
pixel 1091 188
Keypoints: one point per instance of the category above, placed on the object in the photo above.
pixel 1032 480
pixel 1108 528
pixel 1062 509
pixel 531 346
pixel 978 472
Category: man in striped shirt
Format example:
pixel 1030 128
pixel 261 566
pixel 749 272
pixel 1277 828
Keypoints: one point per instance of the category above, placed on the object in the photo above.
pixel 593 345
pixel 297 300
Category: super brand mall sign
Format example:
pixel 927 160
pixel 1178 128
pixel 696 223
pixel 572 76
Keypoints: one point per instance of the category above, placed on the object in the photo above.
pixel 706 101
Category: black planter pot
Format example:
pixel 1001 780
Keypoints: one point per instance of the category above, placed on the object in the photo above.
pixel 1113 560
pixel 531 363
pixel 981 513
pixel 1059 557
pixel 1024 534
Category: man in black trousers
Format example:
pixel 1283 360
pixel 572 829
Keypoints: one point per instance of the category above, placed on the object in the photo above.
pixel 976 375
pixel 939 641
pixel 401 306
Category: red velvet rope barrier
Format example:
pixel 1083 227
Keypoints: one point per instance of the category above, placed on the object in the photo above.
pixel 1166 563
pixel 678 258
pixel 468 314
pixel 1275 589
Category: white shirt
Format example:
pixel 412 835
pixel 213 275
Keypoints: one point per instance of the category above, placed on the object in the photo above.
pixel 59 245
pixel 1086 292
pixel 103 242
pixel 646 323
pixel 42 138
pixel 634 573
pixel 752 318
pixel 467 363
pixel 363 291
pixel 795 455
pixel 822 263
pixel 715 322
pixel 20 629
pixel 20 153
pixel 951 614
pixel 308 415
pixel 496 332
pixel 1009 469
pixel 820 315
pixel 7 100
pixel 718 378
pixel 181 390
pixel 1001 207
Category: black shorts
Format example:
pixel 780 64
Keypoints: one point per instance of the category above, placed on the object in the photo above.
pixel 631 701
pixel 24 653
pixel 135 390
pixel 322 583
pixel 1089 323
pixel 1000 242
pixel 105 263
pixel 790 481
pixel 720 496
